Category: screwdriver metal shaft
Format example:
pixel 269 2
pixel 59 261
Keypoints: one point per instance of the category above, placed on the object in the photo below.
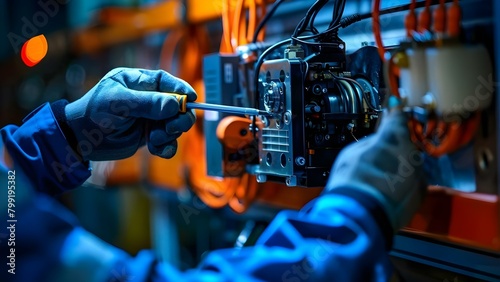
pixel 184 105
pixel 225 109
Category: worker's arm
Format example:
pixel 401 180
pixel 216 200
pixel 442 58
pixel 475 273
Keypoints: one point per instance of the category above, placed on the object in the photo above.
pixel 46 154
pixel 127 109
pixel 40 149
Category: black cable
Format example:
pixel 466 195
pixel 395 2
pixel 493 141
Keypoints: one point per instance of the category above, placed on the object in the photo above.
pixel 307 18
pixel 358 17
pixel 266 19
pixel 337 12
pixel 314 36
pixel 312 28
pixel 302 39
pixel 333 33
pixel 341 12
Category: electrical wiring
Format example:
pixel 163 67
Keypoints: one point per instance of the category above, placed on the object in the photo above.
pixel 453 16
pixel 391 72
pixel 238 18
pixel 443 138
pixel 337 13
pixel 266 18
pixel 439 18
pixel 411 20
pixel 352 135
pixel 308 20
pixel 262 31
pixel 424 19
pixel 226 46
pixel 365 93
pixel 348 91
pixel 245 193
pixel 237 192
pixel 311 27
pixel 343 102
pixel 376 29
pixel 304 23
pixel 344 23
pixel 351 19
pixel 237 29
pixel 252 20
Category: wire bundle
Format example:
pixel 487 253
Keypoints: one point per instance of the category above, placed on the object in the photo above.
pixel 435 137
pixel 306 25
pixel 237 28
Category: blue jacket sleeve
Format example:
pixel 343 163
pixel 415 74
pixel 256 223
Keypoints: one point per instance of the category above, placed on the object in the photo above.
pixel 39 146
pixel 334 238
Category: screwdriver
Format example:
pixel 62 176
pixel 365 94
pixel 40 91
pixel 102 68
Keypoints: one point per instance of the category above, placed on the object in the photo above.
pixel 184 105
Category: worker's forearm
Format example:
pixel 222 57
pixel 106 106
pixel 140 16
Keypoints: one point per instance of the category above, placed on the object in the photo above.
pixel 40 149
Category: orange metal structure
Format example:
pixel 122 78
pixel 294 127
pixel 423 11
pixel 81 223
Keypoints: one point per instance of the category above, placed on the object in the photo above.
pixel 471 219
pixel 118 25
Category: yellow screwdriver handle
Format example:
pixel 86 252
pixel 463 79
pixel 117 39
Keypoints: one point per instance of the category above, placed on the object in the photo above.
pixel 182 99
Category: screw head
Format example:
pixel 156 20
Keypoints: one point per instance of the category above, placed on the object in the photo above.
pixel 287 118
pixel 300 161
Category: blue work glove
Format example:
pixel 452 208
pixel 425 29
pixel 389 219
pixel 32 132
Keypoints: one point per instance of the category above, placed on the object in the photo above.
pixel 385 166
pixel 126 110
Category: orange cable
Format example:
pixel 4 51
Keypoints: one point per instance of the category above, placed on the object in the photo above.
pixel 424 19
pixel 439 18
pixel 226 45
pixel 235 29
pixel 444 138
pixel 411 20
pixel 252 20
pixel 392 73
pixel 376 29
pixel 245 194
pixel 242 34
pixel 263 11
pixel 168 49
pixel 454 17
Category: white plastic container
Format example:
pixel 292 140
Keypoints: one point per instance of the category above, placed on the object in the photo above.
pixel 413 80
pixel 460 78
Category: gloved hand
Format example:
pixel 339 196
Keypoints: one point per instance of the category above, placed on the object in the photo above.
pixel 126 110
pixel 386 166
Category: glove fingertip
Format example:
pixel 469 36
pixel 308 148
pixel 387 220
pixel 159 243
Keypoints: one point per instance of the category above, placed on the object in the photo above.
pixel 166 151
pixel 189 92
pixel 182 123
pixel 192 96
pixel 167 105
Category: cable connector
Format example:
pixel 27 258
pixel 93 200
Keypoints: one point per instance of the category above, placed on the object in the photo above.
pixel 347 21
pixel 294 52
